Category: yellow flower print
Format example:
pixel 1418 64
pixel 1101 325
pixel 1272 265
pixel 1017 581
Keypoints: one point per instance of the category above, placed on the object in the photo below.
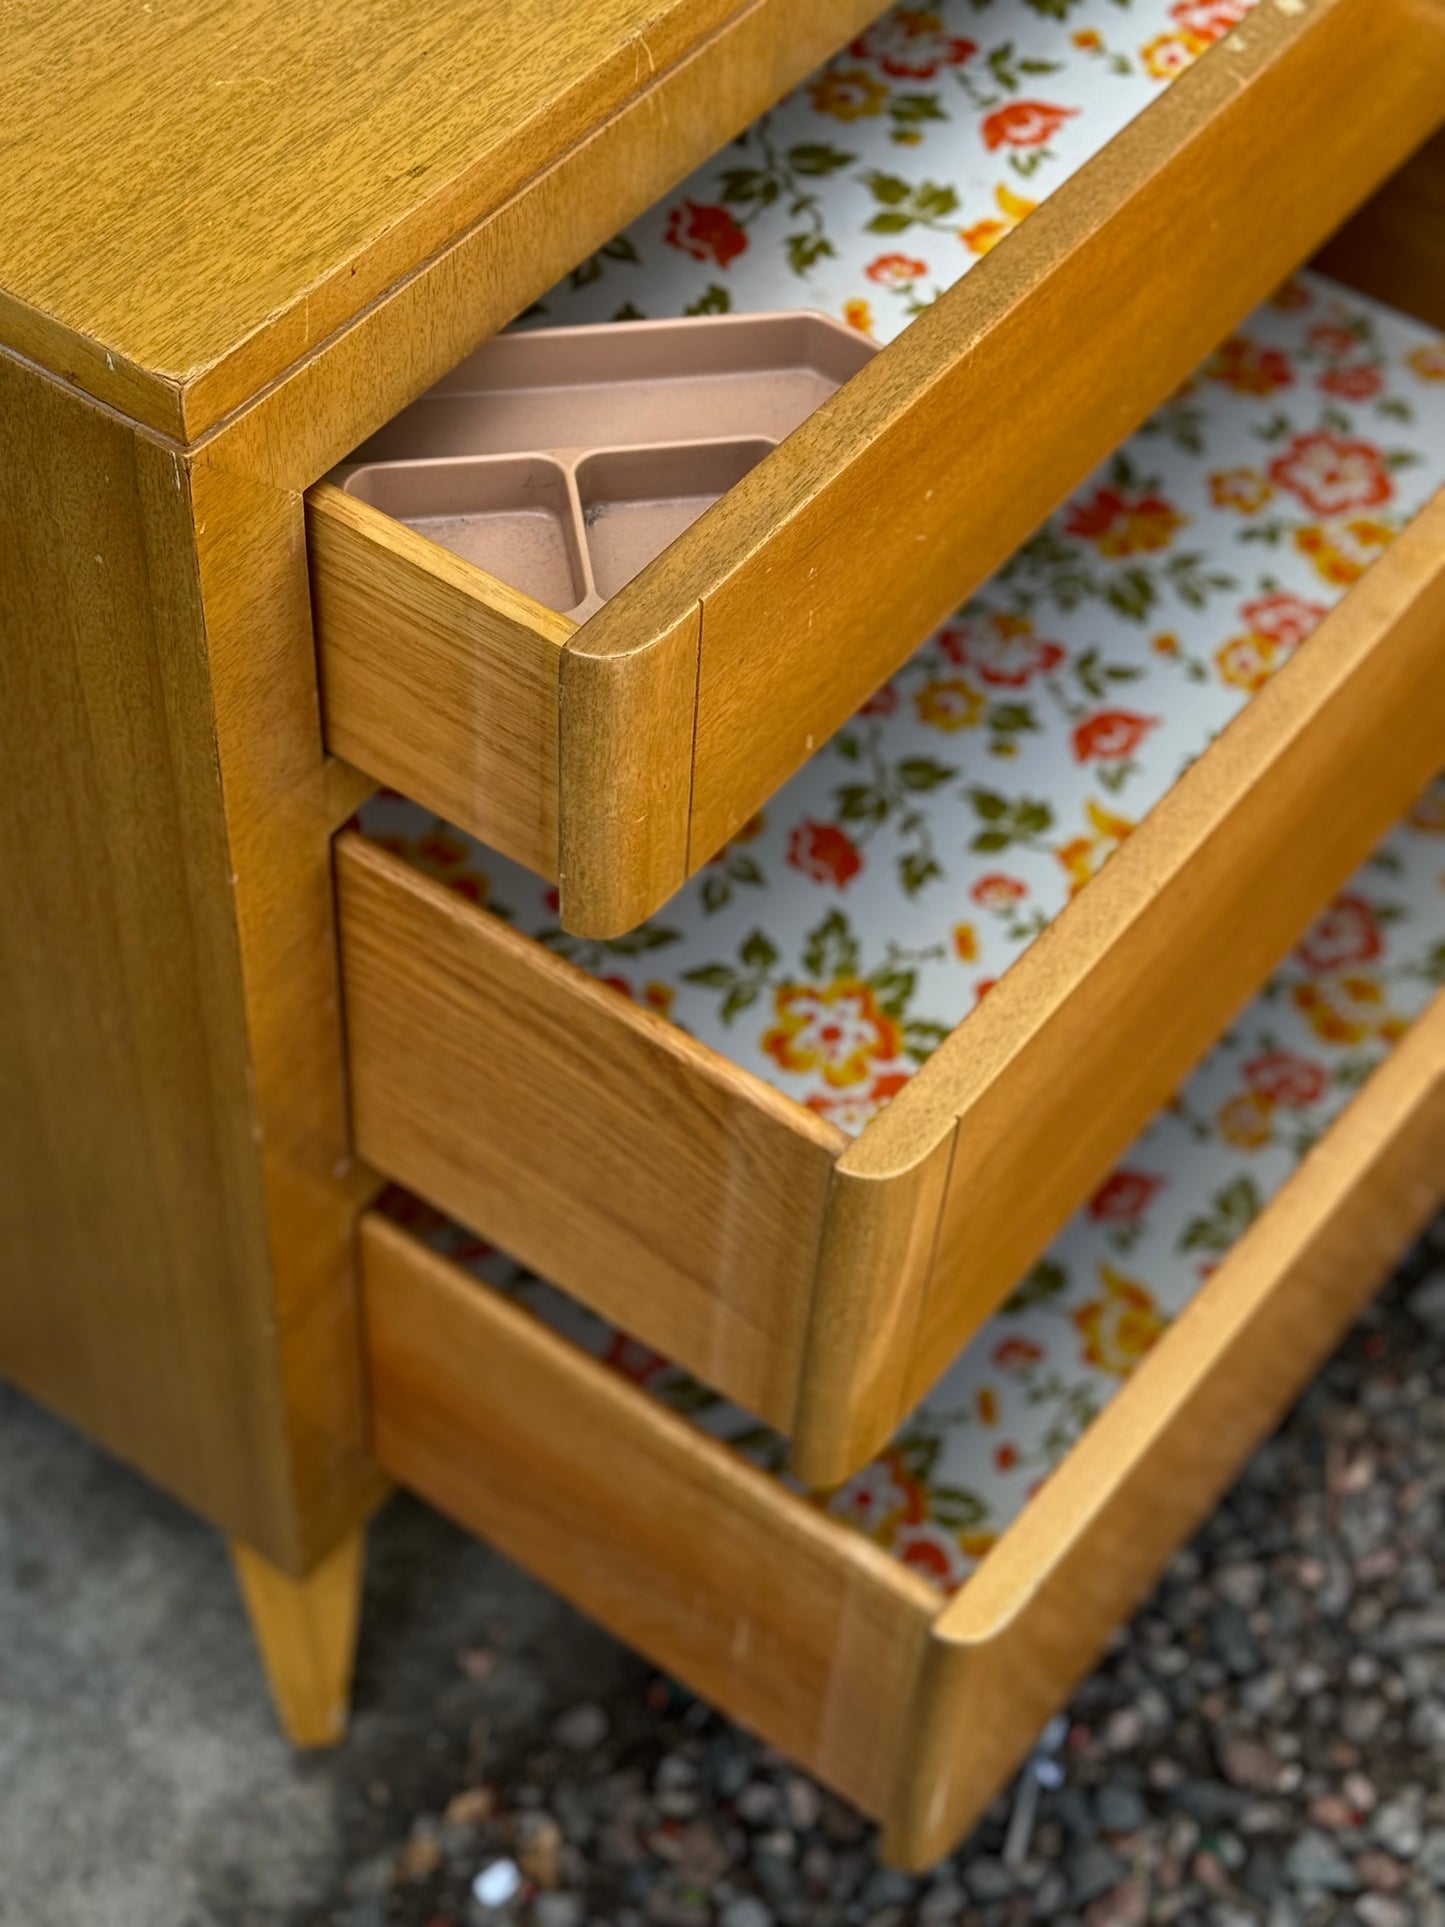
pixel 1342 551
pixel 1119 1328
pixel 1247 1121
pixel 1245 489
pixel 1428 362
pixel 1166 643
pixel 1169 54
pixel 836 1029
pixel 852 94
pixel 949 703
pixel 858 314
pixel 1088 40
pixel 984 235
pixel 1247 662
pixel 1085 856
pixel 1348 1010
pixel 965 942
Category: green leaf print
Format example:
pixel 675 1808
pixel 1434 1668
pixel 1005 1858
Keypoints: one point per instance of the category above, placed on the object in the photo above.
pixel 712 300
pixel 1044 1282
pixel 831 950
pixel 1232 1212
pixel 1023 821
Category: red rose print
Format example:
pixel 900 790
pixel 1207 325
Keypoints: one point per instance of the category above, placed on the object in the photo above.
pixel 882 702
pixel 1285 1078
pixel 996 890
pixel 1120 527
pixel 1360 383
pixel 1015 1354
pixel 1332 476
pixel 824 853
pixel 1110 735
pixel 910 44
pixel 1246 368
pixel 1346 936
pixel 1124 1197
pixel 1332 338
pixel 1024 123
pixel 895 270
pixel 1005 1457
pixel 1210 19
pixel 1003 650
pixel 706 233
pixel 1283 617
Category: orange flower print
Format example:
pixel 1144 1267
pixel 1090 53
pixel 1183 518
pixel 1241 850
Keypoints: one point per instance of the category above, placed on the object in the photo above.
pixel 1246 368
pixel 984 236
pixel 1085 856
pixel 1119 527
pixel 996 891
pixel 1345 936
pixel 1245 489
pixel 965 942
pixel 1284 1077
pixel 934 1551
pixel 824 853
pixel 1120 1327
pixel 1333 476
pixel 1246 1121
pixel 1001 648
pixel 949 703
pixel 1342 551
pixel 882 1498
pixel 1292 296
pixel 1124 1197
pixel 1024 123
pixel 1360 383
pixel 1111 735
pixel 986 1405
pixel 895 270
pixel 659 997
pixel 1168 54
pixel 1347 1010
pixel 911 44
pixel 858 314
pixel 1088 40
pixel 851 1110
pixel 1210 19
pixel 1428 362
pixel 837 1030
pixel 852 94
pixel 1283 617
pixel 1334 339
pixel 1005 1457
pixel 706 233
pixel 1246 662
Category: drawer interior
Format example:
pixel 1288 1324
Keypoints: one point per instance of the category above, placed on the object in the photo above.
pixel 892 170
pixel 856 921
pixel 1025 1391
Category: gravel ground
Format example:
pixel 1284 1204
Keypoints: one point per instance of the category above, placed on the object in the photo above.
pixel 1266 1742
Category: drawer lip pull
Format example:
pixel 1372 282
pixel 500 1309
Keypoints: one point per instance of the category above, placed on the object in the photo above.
pixel 913 1705
pixel 698 688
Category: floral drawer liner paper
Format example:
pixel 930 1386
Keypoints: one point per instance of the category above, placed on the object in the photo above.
pixel 883 178
pixel 857 920
pixel 1025 1390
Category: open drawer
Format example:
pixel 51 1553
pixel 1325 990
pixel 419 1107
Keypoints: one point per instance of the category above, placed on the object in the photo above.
pixel 907 1636
pixel 731 1158
pixel 619 755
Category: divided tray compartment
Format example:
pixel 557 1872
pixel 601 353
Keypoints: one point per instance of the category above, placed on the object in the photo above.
pixel 563 461
pixel 907 1636
pixel 616 755
pixel 708 1128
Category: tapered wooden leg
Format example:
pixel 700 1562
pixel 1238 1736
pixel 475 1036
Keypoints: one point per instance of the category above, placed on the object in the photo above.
pixel 306 1630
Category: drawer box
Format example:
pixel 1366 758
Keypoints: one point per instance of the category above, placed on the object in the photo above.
pixel 730 1186
pixel 907 1637
pixel 617 756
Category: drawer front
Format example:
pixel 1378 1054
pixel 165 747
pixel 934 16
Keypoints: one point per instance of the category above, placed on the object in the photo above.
pixel 704 682
pixel 822 1281
pixel 911 1704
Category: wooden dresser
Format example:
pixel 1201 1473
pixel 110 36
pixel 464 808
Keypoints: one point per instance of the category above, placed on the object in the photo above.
pixel 237 243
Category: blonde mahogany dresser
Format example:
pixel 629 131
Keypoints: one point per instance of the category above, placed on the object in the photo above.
pixel 233 244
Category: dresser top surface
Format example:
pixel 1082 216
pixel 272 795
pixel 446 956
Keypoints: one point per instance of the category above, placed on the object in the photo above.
pixel 189 179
